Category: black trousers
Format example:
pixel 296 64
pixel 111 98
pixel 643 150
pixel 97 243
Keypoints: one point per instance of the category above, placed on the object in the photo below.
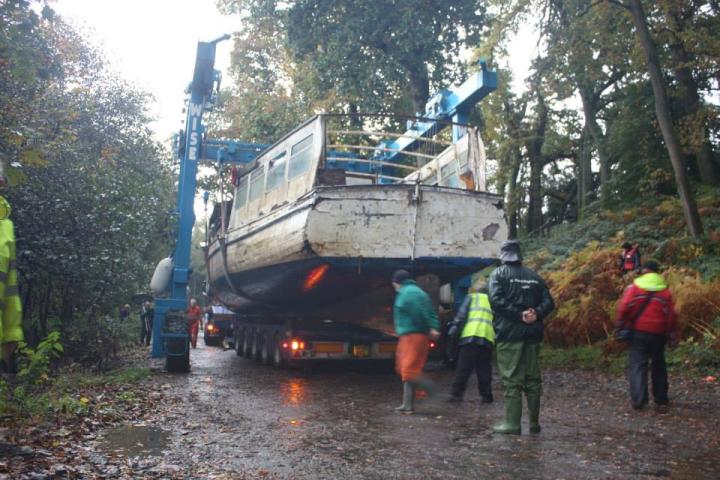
pixel 145 332
pixel 644 348
pixel 473 357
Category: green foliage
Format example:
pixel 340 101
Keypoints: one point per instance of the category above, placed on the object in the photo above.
pixel 588 357
pixel 91 188
pixel 28 394
pixel 697 357
pixel 121 376
pixel 35 363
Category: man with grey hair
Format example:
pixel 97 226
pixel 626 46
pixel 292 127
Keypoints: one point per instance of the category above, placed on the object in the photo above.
pixel 520 301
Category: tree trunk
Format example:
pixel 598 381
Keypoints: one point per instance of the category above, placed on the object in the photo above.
pixel 534 147
pixel 590 112
pixel 692 106
pixel 584 171
pixel 662 111
pixel 419 87
pixel 535 220
pixel 514 195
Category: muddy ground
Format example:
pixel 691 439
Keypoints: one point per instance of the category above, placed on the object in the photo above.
pixel 233 418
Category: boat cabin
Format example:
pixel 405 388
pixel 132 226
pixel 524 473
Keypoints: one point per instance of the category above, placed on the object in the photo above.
pixel 328 151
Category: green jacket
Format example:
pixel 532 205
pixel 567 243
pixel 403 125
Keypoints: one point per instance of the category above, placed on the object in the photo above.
pixel 413 311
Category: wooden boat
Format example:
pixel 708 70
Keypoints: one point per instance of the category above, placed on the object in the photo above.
pixel 317 225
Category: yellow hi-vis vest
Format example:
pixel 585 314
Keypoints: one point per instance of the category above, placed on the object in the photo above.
pixel 10 305
pixel 480 318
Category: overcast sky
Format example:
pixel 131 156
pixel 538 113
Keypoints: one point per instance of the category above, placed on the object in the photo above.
pixel 153 43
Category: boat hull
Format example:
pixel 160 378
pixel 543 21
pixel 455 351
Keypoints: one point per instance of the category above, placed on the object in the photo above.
pixel 333 251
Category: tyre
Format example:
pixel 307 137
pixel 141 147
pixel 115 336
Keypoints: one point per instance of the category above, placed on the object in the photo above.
pixel 239 343
pixel 247 344
pixel 266 352
pixel 257 347
pixel 278 360
pixel 178 363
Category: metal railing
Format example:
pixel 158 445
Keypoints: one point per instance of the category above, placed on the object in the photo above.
pixel 387 149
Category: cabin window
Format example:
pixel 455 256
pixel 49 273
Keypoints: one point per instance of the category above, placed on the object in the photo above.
pixel 257 183
pixel 241 194
pixel 276 172
pixel 357 180
pixel 431 179
pixel 449 175
pixel 463 159
pixel 301 157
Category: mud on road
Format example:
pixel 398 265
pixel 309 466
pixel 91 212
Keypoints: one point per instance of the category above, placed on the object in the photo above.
pixel 233 418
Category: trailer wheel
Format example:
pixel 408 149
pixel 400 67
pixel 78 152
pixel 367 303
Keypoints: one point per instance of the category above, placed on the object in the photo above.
pixel 265 352
pixel 278 360
pixel 257 347
pixel 239 339
pixel 247 344
pixel 178 363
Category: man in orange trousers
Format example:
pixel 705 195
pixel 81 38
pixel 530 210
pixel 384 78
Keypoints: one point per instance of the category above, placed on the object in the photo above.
pixel 416 323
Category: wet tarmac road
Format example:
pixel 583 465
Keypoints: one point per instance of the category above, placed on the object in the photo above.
pixel 233 418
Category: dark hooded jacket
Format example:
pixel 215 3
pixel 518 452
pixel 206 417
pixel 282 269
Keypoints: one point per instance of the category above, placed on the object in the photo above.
pixel 513 289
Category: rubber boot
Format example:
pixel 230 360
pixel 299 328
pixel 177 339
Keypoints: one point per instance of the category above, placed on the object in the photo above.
pixel 533 403
pixel 426 384
pixel 408 399
pixel 513 413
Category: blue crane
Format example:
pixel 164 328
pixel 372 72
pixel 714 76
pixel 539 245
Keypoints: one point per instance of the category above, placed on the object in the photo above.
pixel 191 148
pixel 450 106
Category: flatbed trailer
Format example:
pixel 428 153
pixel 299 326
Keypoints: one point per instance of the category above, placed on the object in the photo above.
pixel 284 341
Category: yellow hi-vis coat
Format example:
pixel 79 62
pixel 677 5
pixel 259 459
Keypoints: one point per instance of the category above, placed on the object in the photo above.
pixel 479 319
pixel 10 306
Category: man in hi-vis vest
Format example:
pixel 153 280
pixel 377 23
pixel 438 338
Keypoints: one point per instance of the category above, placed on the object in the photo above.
pixel 473 325
pixel 10 308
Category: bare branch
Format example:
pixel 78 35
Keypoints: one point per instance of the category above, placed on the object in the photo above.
pixel 618 3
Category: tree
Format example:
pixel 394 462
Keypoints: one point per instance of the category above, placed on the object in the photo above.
pixel 91 188
pixel 688 23
pixel 662 111
pixel 371 53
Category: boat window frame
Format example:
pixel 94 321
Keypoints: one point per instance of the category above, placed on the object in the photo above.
pixel 449 174
pixel 281 159
pixel 240 202
pixel 302 155
pixel 261 170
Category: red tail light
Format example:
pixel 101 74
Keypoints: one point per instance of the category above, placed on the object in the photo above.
pixel 296 345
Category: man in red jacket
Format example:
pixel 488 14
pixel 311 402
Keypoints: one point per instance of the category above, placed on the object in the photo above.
pixel 647 309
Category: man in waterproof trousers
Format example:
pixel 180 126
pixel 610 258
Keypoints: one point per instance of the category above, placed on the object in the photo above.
pixel 520 302
pixel 146 323
pixel 194 318
pixel 11 332
pixel 416 323
pixel 647 310
pixel 473 325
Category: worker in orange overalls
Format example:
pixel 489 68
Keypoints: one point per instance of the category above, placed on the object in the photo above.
pixel 194 318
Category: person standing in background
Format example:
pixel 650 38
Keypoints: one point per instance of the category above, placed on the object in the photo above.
pixel 146 322
pixel 647 309
pixel 473 324
pixel 194 318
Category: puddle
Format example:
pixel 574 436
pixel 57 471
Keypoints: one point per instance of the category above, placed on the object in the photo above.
pixel 131 441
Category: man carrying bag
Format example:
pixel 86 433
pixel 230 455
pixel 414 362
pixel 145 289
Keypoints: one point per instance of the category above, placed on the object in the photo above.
pixel 646 318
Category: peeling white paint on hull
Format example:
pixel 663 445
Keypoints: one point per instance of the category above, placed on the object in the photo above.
pixel 362 233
